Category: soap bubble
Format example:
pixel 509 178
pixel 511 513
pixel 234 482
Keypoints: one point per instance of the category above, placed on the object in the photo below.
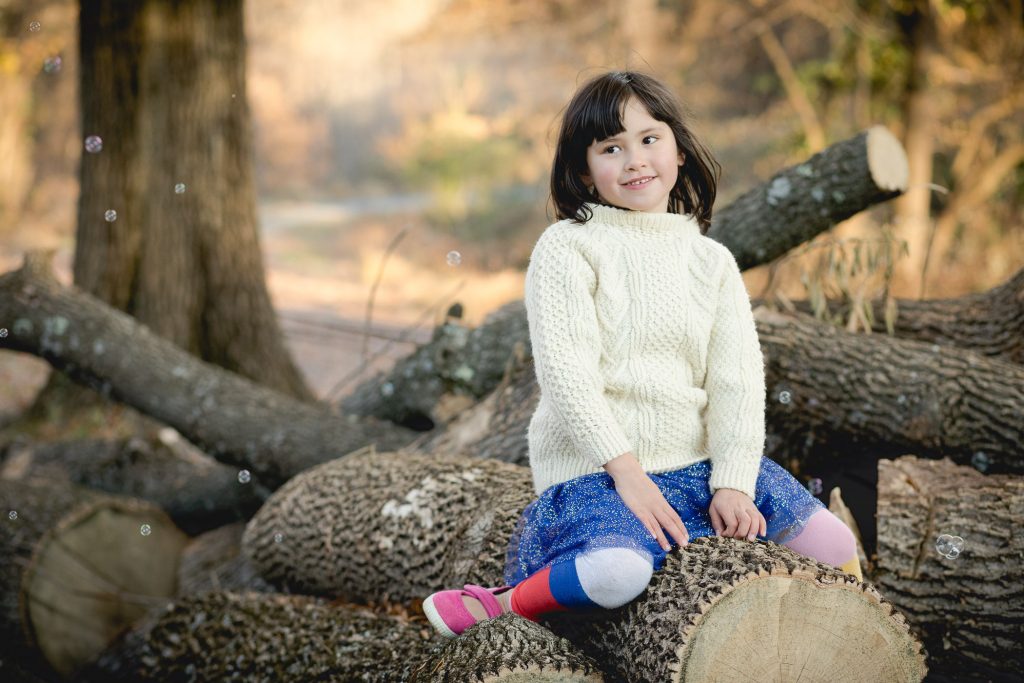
pixel 179 188
pixel 145 530
pixel 387 389
pixel 110 216
pixel 93 144
pixel 51 65
pixel 814 486
pixel 980 461
pixel 34 26
pixel 948 546
pixel 785 397
pixel 244 476
pixel 453 258
pixel 278 537
pixel 3 332
pixel 12 515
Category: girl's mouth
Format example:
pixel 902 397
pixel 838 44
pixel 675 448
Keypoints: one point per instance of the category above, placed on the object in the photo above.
pixel 639 182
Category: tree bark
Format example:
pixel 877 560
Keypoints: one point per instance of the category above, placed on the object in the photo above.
pixel 388 527
pixel 163 85
pixel 385 526
pixel 990 323
pixel 969 610
pixel 260 637
pixel 830 389
pixel 77 567
pixel 803 201
pixel 240 423
pixel 197 492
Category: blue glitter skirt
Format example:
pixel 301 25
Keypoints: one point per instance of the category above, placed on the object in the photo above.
pixel 586 514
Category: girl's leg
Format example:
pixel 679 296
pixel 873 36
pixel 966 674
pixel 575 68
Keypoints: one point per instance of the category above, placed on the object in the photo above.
pixel 609 577
pixel 827 539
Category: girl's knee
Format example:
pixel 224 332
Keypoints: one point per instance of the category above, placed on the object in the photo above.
pixel 611 577
pixel 826 538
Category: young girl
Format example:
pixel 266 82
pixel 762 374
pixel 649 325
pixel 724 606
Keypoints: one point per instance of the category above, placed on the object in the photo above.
pixel 650 423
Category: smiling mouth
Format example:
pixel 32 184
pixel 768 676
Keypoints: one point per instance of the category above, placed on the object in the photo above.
pixel 639 182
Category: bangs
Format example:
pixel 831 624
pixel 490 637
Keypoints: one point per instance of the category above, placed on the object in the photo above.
pixel 600 116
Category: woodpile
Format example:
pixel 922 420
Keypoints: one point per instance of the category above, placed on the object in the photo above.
pixel 362 517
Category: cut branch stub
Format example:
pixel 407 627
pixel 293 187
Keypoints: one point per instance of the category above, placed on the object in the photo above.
pixel 374 527
pixel 78 567
pixel 968 605
pixel 804 200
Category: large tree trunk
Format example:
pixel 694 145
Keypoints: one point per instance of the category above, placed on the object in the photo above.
pixel 77 567
pixel 240 423
pixel 163 85
pixel 377 527
pixel 258 637
pixel 969 609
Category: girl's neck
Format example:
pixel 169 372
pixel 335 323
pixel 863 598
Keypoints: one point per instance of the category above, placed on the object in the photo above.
pixel 644 222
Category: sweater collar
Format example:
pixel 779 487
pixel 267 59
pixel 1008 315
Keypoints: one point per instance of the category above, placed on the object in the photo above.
pixel 643 222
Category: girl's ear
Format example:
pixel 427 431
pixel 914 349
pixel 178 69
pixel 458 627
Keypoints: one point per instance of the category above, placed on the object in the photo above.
pixel 682 158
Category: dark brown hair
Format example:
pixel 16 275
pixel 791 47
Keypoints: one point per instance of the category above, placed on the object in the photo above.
pixel 595 113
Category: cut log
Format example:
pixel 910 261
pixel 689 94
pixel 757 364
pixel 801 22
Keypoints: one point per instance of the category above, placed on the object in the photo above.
pixel 236 421
pixel 214 562
pixel 374 527
pixel 77 567
pixel 969 609
pixel 197 492
pixel 803 201
pixel 259 637
pixel 887 396
pixel 989 323
pixel 728 610
pixel 457 361
pixel 387 527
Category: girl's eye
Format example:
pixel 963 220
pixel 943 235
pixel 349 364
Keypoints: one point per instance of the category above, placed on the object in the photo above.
pixel 652 138
pixel 610 148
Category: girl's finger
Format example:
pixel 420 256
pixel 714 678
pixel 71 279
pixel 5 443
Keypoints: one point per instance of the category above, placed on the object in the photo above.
pixel 746 525
pixel 716 521
pixel 675 528
pixel 730 525
pixel 764 524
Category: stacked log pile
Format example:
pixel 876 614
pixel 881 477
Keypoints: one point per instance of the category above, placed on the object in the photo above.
pixel 369 512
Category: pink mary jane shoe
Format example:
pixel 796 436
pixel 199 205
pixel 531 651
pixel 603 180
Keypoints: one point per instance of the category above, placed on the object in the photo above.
pixel 449 615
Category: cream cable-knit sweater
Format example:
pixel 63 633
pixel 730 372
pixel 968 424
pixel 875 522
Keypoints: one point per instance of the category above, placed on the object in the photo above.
pixel 644 341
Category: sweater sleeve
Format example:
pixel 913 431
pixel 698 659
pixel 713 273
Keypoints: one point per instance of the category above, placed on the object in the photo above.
pixel 566 344
pixel 735 387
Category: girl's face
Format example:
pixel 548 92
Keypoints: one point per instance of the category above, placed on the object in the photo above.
pixel 637 168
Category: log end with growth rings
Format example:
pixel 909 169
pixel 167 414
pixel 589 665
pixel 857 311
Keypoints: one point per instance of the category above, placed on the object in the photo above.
pixel 887 160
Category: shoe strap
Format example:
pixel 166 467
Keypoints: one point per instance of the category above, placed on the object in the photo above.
pixel 491 605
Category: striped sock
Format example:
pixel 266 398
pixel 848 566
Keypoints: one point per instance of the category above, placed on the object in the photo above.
pixel 552 589
pixel 609 577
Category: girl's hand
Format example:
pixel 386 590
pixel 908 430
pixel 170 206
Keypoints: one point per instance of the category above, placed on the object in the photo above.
pixel 644 499
pixel 734 515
